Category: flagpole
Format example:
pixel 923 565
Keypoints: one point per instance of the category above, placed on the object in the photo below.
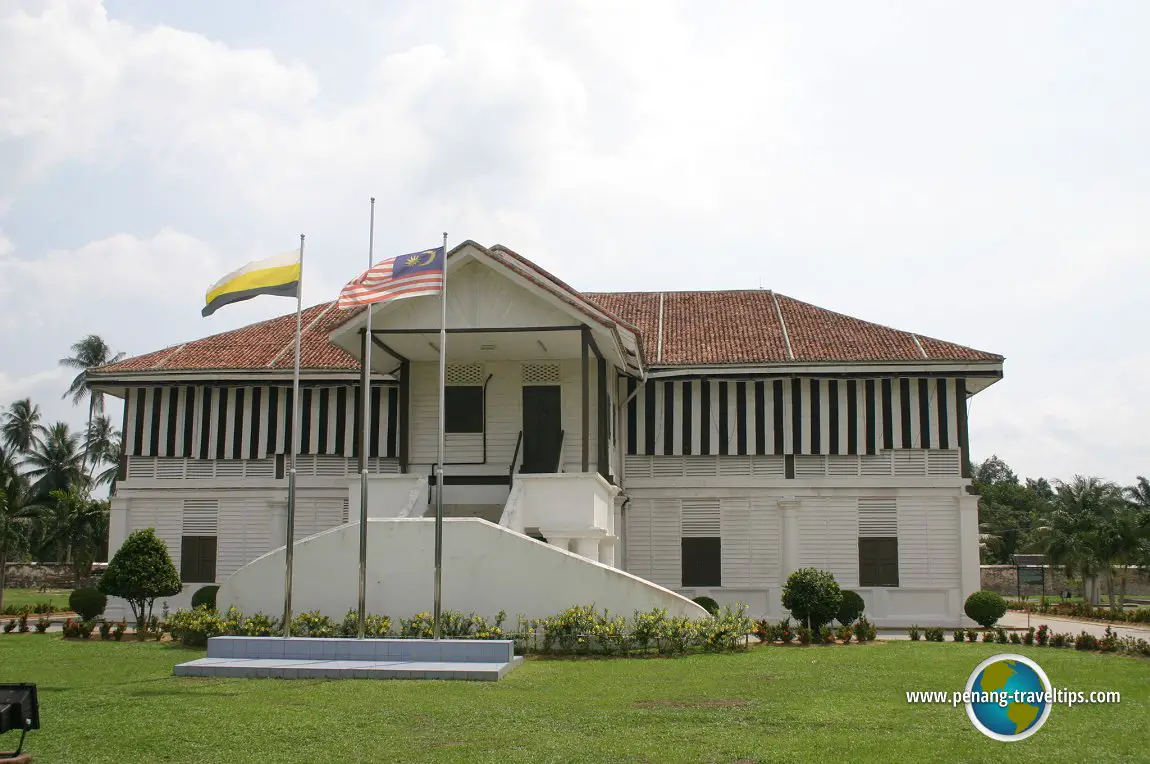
pixel 364 455
pixel 295 438
pixel 442 427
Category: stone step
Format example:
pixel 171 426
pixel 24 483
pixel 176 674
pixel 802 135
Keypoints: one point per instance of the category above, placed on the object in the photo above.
pixel 341 658
pixel 291 668
pixel 320 648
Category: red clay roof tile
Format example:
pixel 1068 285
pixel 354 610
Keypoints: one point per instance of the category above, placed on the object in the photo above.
pixel 698 329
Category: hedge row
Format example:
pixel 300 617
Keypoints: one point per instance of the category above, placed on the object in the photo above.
pixel 579 630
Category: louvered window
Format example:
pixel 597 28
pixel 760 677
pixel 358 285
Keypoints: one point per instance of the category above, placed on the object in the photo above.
pixel 702 546
pixel 878 542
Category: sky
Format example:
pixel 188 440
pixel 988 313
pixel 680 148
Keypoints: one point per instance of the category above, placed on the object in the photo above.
pixel 976 172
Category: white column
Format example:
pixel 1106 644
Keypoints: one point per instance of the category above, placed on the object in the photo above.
pixel 587 547
pixel 563 542
pixel 971 576
pixel 789 541
pixel 117 524
pixel 607 550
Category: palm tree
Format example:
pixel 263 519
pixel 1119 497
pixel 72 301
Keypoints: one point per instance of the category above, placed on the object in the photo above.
pixel 1139 493
pixel 21 430
pixel 1088 532
pixel 111 474
pixel 17 509
pixel 57 463
pixel 75 526
pixel 1122 539
pixel 1068 533
pixel 90 353
pixel 101 434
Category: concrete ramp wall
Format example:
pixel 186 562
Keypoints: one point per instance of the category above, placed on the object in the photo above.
pixel 486 568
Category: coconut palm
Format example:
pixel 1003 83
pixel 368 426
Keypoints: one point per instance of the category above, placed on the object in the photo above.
pixel 109 475
pixel 89 353
pixel 1090 532
pixel 99 439
pixel 18 508
pixel 20 429
pixel 1139 493
pixel 75 526
pixel 57 463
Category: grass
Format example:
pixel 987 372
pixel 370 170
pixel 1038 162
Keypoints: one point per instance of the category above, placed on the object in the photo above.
pixel 19 597
pixel 112 702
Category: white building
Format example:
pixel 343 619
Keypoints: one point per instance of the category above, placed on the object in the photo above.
pixel 736 436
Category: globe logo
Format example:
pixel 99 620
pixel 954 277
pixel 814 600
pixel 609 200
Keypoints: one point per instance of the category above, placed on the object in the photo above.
pixel 1009 697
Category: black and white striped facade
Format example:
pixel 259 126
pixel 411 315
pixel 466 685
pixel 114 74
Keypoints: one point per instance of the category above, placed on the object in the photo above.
pixel 740 417
pixel 254 421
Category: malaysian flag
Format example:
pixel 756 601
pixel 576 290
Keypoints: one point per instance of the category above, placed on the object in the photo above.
pixel 414 275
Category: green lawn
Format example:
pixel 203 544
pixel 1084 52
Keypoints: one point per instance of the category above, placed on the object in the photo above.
pixel 116 702
pixel 57 597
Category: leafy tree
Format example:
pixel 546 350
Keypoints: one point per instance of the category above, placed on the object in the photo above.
pixel 140 572
pixel 56 463
pixel 1007 510
pixel 21 430
pixel 993 471
pixel 17 509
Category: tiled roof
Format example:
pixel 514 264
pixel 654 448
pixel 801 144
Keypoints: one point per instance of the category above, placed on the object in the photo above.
pixel 698 329
pixel 741 327
pixel 266 345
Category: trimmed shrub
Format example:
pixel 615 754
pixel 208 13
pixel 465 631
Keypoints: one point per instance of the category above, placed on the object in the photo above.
pixel 1086 641
pixel 42 624
pixel 89 604
pixel 1042 636
pixel 851 607
pixel 707 604
pixel 959 635
pixel 844 633
pixel 934 634
pixel 206 596
pixel 373 625
pixel 140 572
pixel 1015 639
pixel 805 635
pixel 1028 637
pixel 865 630
pixel 1000 636
pixel 985 608
pixel 915 633
pixel 812 596
pixel 972 635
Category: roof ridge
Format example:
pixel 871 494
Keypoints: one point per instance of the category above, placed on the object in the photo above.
pixel 782 324
pixel 170 355
pixel 918 345
pixel 304 330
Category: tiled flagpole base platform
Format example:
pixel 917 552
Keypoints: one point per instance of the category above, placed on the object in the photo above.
pixel 318 658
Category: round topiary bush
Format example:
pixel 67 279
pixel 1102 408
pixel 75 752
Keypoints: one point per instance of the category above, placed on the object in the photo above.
pixel 985 608
pixel 851 608
pixel 707 604
pixel 814 595
pixel 89 604
pixel 205 595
